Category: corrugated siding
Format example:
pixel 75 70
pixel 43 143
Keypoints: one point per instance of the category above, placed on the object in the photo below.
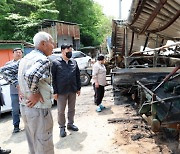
pixel 64 29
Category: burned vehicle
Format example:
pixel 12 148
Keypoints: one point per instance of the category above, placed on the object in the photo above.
pixel 146 66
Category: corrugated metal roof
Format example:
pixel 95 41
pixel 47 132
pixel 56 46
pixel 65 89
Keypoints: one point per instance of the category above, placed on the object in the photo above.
pixel 153 20
pixel 49 23
pixel 26 44
pixel 156 16
pixel 150 24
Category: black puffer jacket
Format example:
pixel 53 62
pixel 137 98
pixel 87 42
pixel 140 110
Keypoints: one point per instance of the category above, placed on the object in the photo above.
pixel 65 76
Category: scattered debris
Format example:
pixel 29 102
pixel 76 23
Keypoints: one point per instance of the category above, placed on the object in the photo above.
pixel 137 136
pixel 114 120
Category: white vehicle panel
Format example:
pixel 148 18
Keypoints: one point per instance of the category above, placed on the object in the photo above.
pixel 82 59
pixel 6 96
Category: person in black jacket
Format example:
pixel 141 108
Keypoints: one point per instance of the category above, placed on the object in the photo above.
pixel 66 84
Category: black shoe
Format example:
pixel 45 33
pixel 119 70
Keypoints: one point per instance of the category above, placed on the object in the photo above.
pixel 62 132
pixel 16 130
pixel 72 127
pixel 5 151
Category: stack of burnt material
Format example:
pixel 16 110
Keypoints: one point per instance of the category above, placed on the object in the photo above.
pixel 124 80
pixel 155 90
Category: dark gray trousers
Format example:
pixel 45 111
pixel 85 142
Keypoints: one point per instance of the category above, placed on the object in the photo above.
pixel 69 99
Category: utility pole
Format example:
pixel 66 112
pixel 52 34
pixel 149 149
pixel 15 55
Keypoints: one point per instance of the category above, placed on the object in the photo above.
pixel 120 9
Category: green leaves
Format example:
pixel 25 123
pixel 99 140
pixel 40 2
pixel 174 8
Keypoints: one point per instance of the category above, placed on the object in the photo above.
pixel 19 18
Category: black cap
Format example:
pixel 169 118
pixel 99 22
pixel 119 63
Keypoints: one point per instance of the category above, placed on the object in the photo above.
pixel 100 57
pixel 66 46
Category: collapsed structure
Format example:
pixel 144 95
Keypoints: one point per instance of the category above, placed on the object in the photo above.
pixel 142 59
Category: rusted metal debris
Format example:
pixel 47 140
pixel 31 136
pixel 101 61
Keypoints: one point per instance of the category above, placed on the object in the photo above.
pixel 163 106
pixel 143 74
pixel 114 120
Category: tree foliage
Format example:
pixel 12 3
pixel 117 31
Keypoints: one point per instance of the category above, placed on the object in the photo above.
pixel 19 19
pixel 89 15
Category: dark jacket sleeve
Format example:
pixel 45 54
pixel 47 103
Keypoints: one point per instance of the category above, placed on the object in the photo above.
pixel 54 76
pixel 78 80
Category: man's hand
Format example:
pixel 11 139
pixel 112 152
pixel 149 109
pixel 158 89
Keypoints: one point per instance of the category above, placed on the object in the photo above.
pixel 34 98
pixel 55 96
pixel 20 94
pixel 78 93
pixel 97 85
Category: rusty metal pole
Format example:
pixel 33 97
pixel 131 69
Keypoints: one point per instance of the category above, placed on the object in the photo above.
pixel 155 58
pixel 126 49
pixel 167 77
pixel 115 49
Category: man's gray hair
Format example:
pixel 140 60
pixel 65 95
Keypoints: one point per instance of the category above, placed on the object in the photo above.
pixel 39 37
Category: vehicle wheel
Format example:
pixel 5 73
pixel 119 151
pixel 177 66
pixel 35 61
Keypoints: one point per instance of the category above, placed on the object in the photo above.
pixel 85 79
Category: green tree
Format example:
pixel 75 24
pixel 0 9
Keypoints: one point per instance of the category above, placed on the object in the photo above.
pixel 89 15
pixel 21 24
pixel 4 24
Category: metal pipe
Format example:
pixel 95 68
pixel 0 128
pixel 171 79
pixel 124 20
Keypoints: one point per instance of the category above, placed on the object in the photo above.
pixel 126 49
pixel 149 91
pixel 132 42
pixel 167 77
pixel 157 49
pixel 120 9
pixel 145 44
pixel 115 43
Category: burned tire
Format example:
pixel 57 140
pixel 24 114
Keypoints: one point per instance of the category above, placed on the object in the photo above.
pixel 85 79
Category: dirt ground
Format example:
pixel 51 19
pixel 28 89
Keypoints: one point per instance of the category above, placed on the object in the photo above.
pixel 116 130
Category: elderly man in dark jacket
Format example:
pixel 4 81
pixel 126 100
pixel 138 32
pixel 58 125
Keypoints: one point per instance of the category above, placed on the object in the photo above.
pixel 66 84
